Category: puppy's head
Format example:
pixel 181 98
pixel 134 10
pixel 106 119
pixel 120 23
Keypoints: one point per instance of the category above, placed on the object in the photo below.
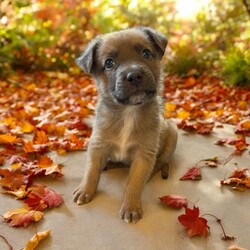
pixel 126 64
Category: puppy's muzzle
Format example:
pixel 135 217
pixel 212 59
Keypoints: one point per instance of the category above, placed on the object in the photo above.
pixel 134 85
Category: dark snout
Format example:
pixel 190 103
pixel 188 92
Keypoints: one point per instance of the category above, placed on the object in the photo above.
pixel 134 84
pixel 134 77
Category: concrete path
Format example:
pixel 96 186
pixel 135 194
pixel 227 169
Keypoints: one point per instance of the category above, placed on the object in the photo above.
pixel 97 225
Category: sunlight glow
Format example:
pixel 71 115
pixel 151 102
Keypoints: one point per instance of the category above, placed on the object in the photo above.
pixel 188 9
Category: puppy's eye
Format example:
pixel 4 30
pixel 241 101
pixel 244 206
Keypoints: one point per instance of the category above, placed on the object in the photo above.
pixel 146 54
pixel 109 63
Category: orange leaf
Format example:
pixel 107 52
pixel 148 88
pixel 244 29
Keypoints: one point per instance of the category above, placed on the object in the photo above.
pixel 8 139
pixel 40 137
pixel 28 147
pixel 45 161
pixel 13 180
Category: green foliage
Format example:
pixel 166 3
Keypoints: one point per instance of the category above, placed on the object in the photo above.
pixel 185 61
pixel 125 14
pixel 49 34
pixel 236 67
pixel 42 35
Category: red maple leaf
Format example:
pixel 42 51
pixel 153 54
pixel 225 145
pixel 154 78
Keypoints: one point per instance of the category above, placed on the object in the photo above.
pixel 40 198
pixel 35 202
pixel 174 201
pixel 194 224
pixel 193 173
pixel 52 199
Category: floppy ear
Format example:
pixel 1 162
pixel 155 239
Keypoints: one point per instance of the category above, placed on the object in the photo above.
pixel 158 40
pixel 87 60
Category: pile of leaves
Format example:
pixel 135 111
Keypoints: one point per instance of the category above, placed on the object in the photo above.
pixel 40 113
pixel 206 101
pixel 45 111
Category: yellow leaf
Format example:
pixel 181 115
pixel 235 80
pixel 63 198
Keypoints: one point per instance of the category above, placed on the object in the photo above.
pixel 20 193
pixel 61 151
pixel 169 106
pixel 35 240
pixel 183 114
pixel 16 165
pixel 27 127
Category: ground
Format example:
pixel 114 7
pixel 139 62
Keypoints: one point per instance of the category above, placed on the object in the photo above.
pixel 56 105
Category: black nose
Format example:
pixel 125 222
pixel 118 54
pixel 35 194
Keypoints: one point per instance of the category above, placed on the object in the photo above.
pixel 134 77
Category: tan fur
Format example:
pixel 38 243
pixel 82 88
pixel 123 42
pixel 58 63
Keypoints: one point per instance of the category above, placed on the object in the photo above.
pixel 129 125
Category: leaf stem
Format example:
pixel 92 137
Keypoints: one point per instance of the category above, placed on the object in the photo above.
pixel 229 158
pixel 225 236
pixel 6 241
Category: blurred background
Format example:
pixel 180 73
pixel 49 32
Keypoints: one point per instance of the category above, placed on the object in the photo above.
pixel 209 36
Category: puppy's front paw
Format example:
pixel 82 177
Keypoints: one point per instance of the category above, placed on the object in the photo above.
pixel 130 212
pixel 82 195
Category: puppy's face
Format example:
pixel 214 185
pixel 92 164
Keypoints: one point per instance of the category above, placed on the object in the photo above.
pixel 126 64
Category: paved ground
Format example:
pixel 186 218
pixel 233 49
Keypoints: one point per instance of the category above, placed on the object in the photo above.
pixel 97 226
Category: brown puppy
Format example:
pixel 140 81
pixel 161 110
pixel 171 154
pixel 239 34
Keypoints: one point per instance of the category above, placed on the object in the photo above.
pixel 129 125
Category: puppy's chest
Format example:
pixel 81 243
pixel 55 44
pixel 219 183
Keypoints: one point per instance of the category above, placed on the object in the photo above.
pixel 125 139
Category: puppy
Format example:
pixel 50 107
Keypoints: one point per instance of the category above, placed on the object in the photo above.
pixel 129 126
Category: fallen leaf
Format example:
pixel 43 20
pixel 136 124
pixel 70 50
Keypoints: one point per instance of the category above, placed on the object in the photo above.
pixel 35 240
pixel 204 129
pixel 239 179
pixel 8 139
pixel 243 127
pixel 241 173
pixel 211 162
pixel 240 144
pixel 22 216
pixel 174 201
pixel 16 159
pixel 20 193
pixel 194 224
pixel 40 198
pixel 52 199
pixel 193 173
pixel 40 137
pixel 26 127
pixel 13 180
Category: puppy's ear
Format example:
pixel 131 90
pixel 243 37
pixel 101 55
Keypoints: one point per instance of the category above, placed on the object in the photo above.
pixel 87 60
pixel 158 40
